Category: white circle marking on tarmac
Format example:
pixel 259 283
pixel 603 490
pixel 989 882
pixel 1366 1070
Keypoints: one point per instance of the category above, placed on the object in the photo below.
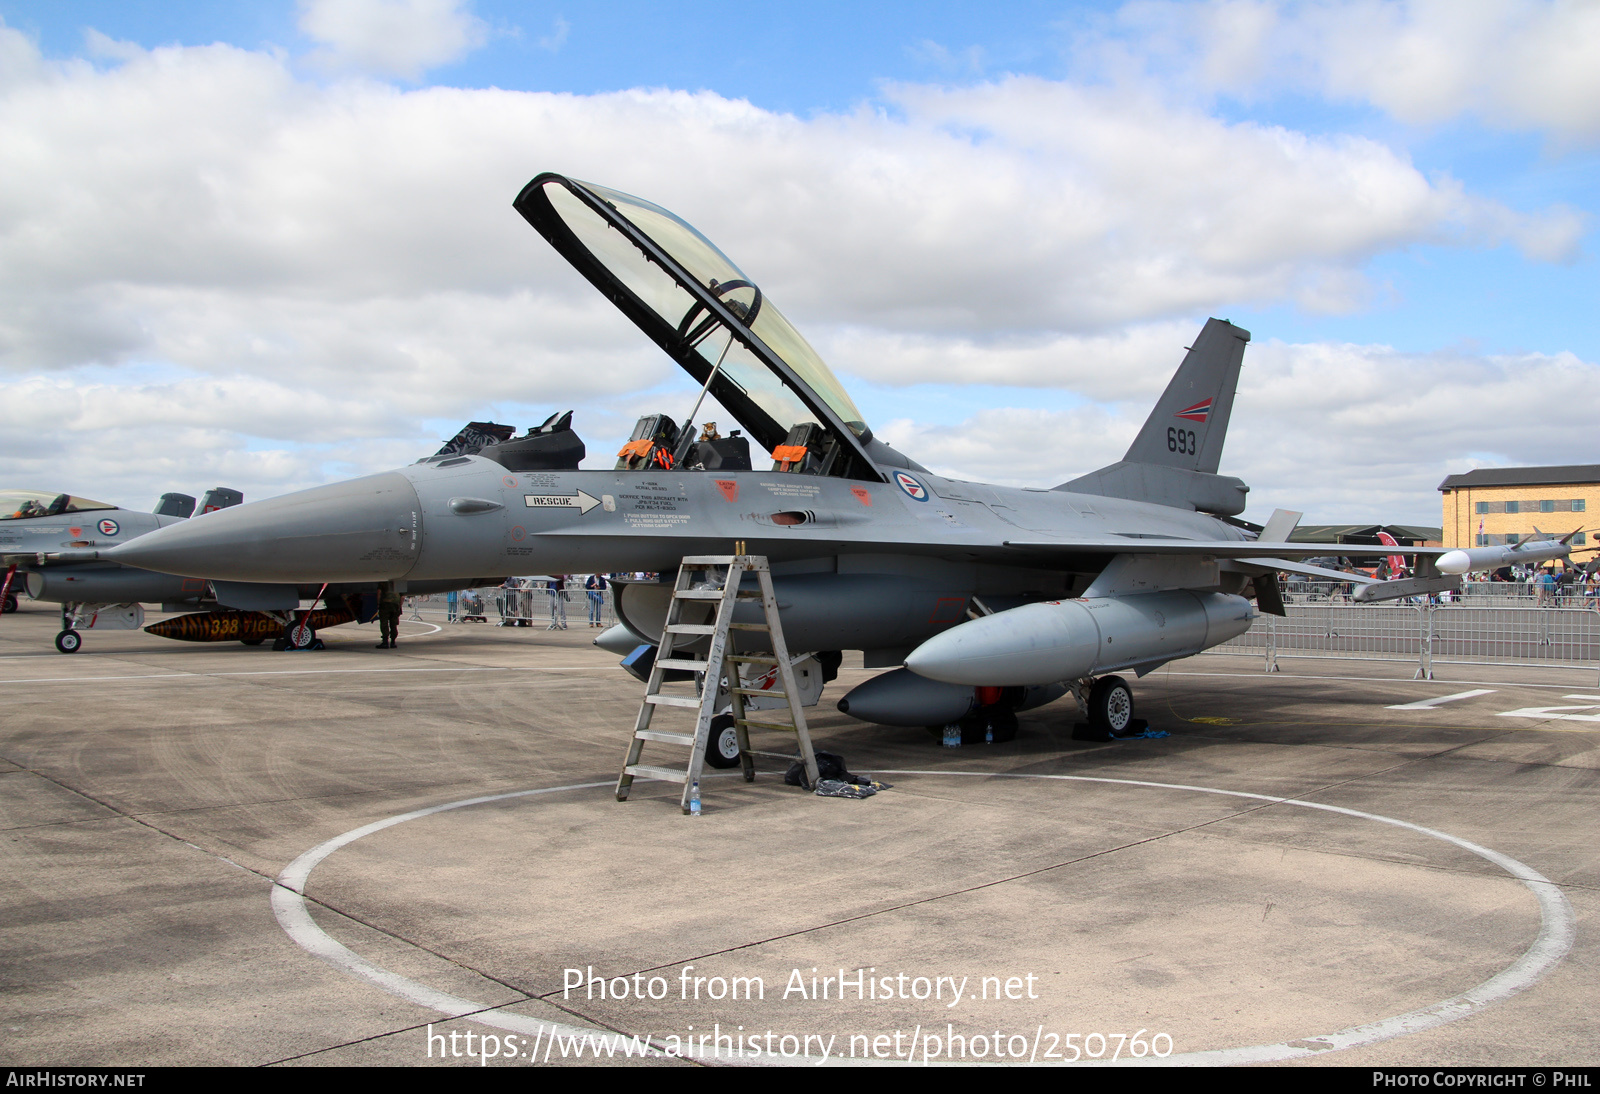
pixel 1556 932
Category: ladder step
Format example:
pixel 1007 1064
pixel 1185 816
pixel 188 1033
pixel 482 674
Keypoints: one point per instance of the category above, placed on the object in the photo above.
pixel 649 771
pixel 684 739
pixel 748 724
pixel 692 628
pixel 752 658
pixel 697 594
pixel 747 627
pixel 758 691
pixel 708 560
pixel 687 664
pixel 774 755
pixel 674 701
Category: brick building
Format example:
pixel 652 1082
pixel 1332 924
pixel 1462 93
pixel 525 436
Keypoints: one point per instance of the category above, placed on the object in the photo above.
pixel 1510 502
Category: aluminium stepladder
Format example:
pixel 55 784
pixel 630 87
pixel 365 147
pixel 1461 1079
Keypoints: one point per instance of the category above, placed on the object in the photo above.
pixel 719 587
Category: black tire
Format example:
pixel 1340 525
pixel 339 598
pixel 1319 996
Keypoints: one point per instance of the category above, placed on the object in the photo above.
pixel 10 604
pixel 69 641
pixel 252 641
pixel 299 636
pixel 1111 705
pixel 722 746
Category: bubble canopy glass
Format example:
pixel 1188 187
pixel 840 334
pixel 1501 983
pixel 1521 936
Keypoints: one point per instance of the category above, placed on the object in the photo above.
pixel 22 504
pixel 700 308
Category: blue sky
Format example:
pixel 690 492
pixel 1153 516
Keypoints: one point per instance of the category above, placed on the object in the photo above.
pixel 1455 266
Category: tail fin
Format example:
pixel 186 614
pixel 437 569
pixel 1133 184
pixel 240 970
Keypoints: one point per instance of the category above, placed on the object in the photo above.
pixel 1190 421
pixel 219 497
pixel 1174 459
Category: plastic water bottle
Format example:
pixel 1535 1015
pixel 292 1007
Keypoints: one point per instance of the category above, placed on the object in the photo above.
pixel 694 798
pixel 952 735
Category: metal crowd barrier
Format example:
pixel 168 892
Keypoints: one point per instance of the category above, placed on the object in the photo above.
pixel 512 608
pixel 1507 630
pixel 1508 593
pixel 1463 633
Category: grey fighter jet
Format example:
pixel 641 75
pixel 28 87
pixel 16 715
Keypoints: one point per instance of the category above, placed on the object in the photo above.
pixel 48 544
pixel 982 600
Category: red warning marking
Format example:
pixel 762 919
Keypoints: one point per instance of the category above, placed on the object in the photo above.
pixel 729 488
pixel 863 495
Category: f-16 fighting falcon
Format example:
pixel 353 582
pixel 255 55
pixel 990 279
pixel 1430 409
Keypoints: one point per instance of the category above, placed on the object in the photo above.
pixel 982 600
pixel 48 542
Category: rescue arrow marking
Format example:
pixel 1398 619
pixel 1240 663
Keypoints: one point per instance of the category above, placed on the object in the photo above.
pixel 579 501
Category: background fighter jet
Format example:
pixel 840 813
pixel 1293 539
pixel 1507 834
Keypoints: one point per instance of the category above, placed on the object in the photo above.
pixel 992 598
pixel 47 544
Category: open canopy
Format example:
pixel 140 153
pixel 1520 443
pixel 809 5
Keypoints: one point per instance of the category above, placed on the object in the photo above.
pixel 703 311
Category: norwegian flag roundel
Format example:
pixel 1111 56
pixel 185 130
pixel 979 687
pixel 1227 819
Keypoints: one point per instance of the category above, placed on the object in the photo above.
pixel 911 486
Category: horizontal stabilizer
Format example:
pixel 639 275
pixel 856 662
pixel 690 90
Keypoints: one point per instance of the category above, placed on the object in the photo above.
pixel 1285 566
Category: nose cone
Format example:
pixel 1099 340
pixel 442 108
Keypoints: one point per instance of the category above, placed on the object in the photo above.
pixel 1032 644
pixel 1454 562
pixel 367 529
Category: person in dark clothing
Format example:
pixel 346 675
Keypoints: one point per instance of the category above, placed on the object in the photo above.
pixel 595 587
pixel 389 607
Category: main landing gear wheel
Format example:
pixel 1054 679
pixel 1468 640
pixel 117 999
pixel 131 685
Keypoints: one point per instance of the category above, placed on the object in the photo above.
pixel 722 746
pixel 10 604
pixel 1111 705
pixel 252 641
pixel 69 641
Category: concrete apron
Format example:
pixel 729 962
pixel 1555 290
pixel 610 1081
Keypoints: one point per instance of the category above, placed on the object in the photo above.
pixel 153 789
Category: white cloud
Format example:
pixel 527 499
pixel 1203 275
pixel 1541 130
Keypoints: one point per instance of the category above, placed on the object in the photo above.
pixel 324 269
pixel 402 38
pixel 1519 64
pixel 557 36
pixel 1339 432
pixel 1129 363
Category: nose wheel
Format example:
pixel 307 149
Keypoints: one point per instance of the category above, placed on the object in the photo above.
pixel 69 641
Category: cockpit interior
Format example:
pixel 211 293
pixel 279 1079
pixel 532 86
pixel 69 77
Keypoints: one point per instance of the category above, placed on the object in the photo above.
pixel 23 504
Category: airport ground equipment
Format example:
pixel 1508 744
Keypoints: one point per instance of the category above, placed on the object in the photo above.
pixel 716 581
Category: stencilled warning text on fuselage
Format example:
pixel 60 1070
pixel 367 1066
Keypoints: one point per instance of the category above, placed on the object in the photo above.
pixel 793 489
pixel 656 521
